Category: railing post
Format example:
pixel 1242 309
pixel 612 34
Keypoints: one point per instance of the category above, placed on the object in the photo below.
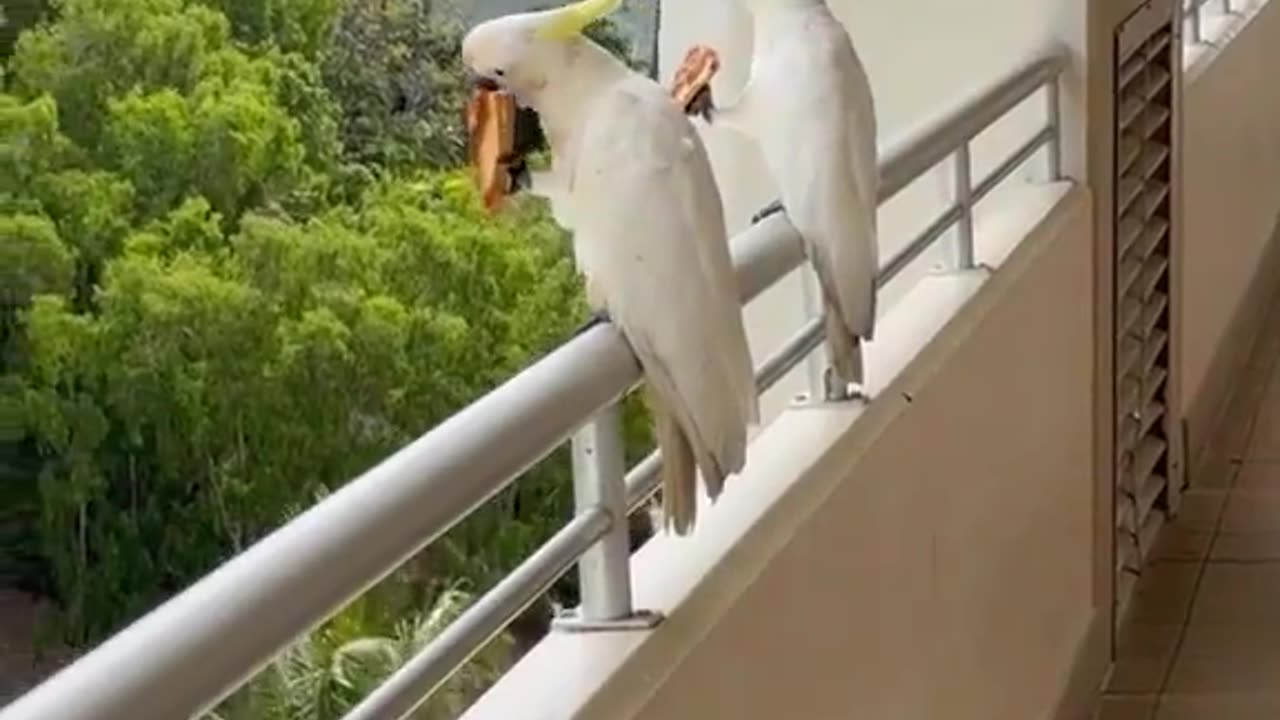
pixel 1197 32
pixel 815 363
pixel 604 572
pixel 1054 89
pixel 964 198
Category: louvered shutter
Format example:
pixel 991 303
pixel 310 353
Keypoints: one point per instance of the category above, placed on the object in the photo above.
pixel 1147 57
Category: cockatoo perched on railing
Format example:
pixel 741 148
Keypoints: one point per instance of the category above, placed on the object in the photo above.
pixel 808 106
pixel 630 177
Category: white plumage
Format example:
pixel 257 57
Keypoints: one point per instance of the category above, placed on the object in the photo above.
pixel 631 178
pixel 808 105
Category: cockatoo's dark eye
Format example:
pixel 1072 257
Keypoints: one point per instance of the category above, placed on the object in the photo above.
pixel 499 72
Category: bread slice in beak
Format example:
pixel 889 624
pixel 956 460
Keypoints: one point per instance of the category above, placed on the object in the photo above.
pixel 491 125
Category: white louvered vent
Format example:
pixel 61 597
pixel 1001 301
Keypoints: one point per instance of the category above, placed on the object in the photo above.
pixel 1146 60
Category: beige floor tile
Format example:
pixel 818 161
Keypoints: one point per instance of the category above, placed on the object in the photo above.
pixel 1258 477
pixel 1216 474
pixel 1228 673
pixel 1179 543
pixel 1251 512
pixel 1219 706
pixel 1138 676
pixel 1144 656
pixel 1264 443
pixel 1190 535
pixel 1248 640
pixel 1163 595
pixel 1246 546
pixel 1238 592
pixel 1126 707
pixel 1200 509
pixel 1235 434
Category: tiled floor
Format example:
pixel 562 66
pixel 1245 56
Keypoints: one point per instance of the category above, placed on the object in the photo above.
pixel 1203 637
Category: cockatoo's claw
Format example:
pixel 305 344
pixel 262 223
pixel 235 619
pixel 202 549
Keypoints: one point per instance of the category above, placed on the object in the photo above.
pixel 836 390
pixel 597 318
pixel 772 208
pixel 701 104
pixel 518 177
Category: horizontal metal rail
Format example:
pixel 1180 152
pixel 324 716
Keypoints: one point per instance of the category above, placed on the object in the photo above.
pixel 191 652
pixel 414 683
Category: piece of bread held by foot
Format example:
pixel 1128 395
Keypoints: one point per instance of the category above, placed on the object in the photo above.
pixel 691 86
pixel 491 122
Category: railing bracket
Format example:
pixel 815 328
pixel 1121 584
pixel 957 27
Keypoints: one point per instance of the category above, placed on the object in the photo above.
pixel 979 269
pixel 570 622
pixel 804 401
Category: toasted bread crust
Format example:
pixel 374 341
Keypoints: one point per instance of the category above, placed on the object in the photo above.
pixel 491 116
pixel 693 77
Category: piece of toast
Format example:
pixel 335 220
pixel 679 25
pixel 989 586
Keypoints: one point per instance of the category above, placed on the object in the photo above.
pixel 691 86
pixel 491 123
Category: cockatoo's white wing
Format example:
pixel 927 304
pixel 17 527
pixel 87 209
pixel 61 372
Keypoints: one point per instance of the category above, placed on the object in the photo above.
pixel 825 111
pixel 649 227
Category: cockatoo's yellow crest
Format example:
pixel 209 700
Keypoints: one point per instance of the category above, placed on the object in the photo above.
pixel 571 19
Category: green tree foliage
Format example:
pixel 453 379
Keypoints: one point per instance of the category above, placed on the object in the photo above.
pixel 394 67
pixel 16 16
pixel 327 673
pixel 302 26
pixel 180 442
pixel 238 266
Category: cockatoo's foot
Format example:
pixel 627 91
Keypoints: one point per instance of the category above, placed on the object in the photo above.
pixel 598 317
pixel 518 176
pixel 701 105
pixel 691 86
pixel 772 208
pixel 835 389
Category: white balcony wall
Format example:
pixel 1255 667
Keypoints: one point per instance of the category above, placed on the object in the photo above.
pixel 1231 191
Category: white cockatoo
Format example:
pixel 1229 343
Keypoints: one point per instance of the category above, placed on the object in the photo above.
pixel 808 106
pixel 631 178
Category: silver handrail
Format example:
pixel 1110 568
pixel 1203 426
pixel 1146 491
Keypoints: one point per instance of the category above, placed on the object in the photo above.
pixel 194 650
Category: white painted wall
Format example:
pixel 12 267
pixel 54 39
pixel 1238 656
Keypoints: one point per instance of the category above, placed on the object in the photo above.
pixel 1231 200
pixel 922 59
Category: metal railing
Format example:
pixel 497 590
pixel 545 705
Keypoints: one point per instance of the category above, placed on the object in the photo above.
pixel 194 650
pixel 1194 14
